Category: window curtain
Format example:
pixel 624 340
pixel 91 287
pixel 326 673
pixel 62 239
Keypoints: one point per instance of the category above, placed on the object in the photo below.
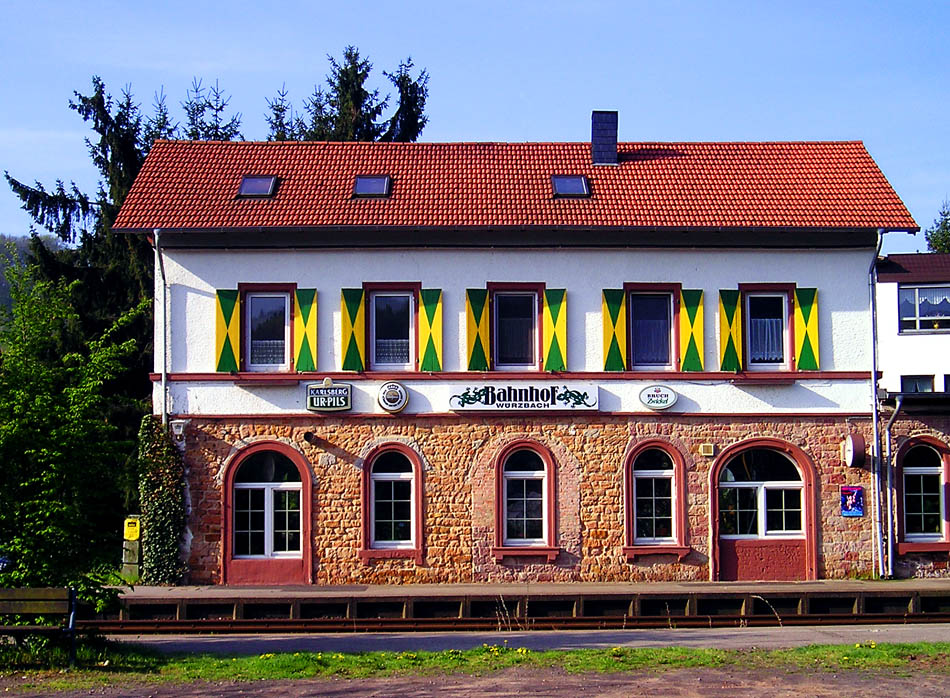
pixel 765 340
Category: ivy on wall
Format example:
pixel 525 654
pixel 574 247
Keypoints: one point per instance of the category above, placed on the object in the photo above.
pixel 162 498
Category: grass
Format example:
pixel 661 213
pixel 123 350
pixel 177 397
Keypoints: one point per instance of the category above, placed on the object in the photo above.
pixel 104 664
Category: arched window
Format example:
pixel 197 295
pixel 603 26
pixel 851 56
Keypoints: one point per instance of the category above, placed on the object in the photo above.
pixel 655 501
pixel 525 510
pixel 760 495
pixel 267 507
pixel 392 504
pixel 391 496
pixel 525 506
pixel 922 494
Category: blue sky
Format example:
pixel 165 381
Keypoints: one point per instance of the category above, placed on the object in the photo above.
pixel 509 71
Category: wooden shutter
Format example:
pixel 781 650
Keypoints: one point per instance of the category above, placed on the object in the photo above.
pixel 730 330
pixel 554 333
pixel 353 335
pixel 227 334
pixel 476 325
pixel 614 314
pixel 305 329
pixel 430 329
pixel 691 330
pixel 806 329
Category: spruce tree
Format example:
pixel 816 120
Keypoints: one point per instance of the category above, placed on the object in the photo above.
pixel 938 235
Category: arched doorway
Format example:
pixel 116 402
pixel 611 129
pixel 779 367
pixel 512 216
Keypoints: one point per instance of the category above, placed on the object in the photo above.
pixel 763 513
pixel 267 514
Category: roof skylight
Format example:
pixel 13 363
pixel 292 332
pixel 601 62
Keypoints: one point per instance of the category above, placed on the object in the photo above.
pixel 370 186
pixel 575 186
pixel 258 186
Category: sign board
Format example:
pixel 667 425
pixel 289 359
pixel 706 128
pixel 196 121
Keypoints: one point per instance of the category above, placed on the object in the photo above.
pixel 852 500
pixel 329 396
pixel 132 529
pixel 393 396
pixel 658 397
pixel 522 396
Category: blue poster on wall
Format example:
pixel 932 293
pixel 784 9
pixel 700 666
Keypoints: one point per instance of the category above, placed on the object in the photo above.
pixel 852 500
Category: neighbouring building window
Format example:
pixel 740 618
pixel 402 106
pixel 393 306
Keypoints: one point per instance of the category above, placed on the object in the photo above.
pixel 651 330
pixel 525 499
pixel 267 507
pixel 760 495
pixel 515 317
pixel 391 501
pixel 766 330
pixel 392 330
pixel 267 323
pixel 917 384
pixel 922 473
pixel 924 308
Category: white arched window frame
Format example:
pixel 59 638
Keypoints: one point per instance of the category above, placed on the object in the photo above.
pixel 393 495
pixel 268 517
pixel 525 503
pixel 923 484
pixel 654 498
pixel 762 508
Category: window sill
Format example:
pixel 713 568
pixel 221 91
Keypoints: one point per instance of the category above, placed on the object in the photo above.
pixel 550 553
pixel 933 546
pixel 414 554
pixel 634 551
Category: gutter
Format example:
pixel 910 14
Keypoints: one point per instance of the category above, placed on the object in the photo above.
pixel 161 266
pixel 890 485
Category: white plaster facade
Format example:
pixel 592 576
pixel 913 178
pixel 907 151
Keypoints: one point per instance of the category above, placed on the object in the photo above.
pixel 840 275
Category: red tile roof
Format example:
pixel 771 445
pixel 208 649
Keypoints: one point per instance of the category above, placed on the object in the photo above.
pixel 914 268
pixel 193 185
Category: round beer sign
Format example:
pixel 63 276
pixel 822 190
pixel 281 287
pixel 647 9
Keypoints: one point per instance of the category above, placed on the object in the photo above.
pixel 657 397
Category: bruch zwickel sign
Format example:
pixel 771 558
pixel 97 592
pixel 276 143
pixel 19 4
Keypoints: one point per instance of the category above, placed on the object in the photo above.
pixel 525 396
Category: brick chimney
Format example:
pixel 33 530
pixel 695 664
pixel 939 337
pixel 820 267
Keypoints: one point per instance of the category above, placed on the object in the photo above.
pixel 603 137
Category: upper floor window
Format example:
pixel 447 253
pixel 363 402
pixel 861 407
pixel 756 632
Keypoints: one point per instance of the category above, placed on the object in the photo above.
pixel 515 325
pixel 924 308
pixel 267 330
pixel 917 384
pixel 766 328
pixel 392 332
pixel 652 312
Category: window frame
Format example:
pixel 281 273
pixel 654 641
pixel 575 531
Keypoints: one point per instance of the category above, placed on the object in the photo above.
pixel 271 190
pixel 388 188
pixel 675 292
pixel 287 291
pixel 370 549
pixel 913 543
pixel 270 490
pixel 536 290
pixel 545 547
pixel 370 291
pixel 586 194
pixel 918 377
pixel 677 545
pixel 787 292
pixel 916 317
pixel 762 487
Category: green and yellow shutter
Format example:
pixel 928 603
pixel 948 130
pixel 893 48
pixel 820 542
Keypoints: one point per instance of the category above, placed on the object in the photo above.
pixel 614 315
pixel 476 329
pixel 227 330
pixel 554 331
pixel 730 331
pixel 691 330
pixel 806 329
pixel 430 329
pixel 353 335
pixel 305 329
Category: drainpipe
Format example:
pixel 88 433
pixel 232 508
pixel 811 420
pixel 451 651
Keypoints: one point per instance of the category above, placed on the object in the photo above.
pixel 161 266
pixel 890 485
pixel 877 549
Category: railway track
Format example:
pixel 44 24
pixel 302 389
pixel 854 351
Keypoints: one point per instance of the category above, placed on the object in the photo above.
pixel 402 625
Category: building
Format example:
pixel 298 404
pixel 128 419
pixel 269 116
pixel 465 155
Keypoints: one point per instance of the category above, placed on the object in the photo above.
pixel 913 327
pixel 467 362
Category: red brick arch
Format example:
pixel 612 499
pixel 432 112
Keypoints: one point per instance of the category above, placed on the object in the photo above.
pixel 768 550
